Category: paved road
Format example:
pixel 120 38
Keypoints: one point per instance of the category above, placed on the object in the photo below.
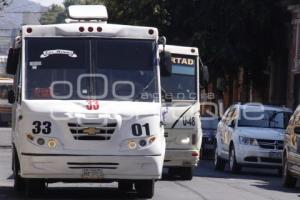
pixel 252 184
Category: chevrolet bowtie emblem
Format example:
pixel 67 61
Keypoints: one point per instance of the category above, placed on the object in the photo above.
pixel 90 131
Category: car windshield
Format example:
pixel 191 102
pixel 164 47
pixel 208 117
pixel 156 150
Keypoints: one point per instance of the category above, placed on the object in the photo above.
pixel 91 68
pixel 181 85
pixel 209 123
pixel 264 119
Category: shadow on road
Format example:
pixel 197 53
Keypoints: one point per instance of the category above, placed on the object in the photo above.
pixel 267 179
pixel 8 193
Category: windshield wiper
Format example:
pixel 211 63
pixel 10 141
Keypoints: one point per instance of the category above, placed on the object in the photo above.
pixel 144 89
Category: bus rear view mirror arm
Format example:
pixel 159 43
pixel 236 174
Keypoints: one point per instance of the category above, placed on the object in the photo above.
pixel 165 63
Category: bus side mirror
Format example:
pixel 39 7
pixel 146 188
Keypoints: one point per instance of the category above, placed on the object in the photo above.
pixel 165 63
pixel 167 97
pixel 205 76
pixel 12 61
pixel 11 97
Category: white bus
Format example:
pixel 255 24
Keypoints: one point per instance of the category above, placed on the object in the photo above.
pixel 181 112
pixel 87 106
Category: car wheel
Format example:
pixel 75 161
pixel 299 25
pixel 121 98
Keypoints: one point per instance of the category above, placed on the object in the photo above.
pixel 288 180
pixel 19 183
pixel 219 163
pixel 233 165
pixel 145 188
pixel 34 187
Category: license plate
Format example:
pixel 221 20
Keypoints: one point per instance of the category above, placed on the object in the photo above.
pixel 275 154
pixel 92 173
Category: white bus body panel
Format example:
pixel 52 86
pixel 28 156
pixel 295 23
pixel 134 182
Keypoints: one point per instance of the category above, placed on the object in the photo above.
pixel 41 162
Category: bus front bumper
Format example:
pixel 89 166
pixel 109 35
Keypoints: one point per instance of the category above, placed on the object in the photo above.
pixel 110 167
pixel 181 158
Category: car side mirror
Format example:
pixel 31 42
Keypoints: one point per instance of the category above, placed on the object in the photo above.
pixel 297 130
pixel 11 97
pixel 12 61
pixel 232 124
pixel 168 98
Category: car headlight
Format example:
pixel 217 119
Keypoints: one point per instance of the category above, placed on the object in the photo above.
pixel 248 141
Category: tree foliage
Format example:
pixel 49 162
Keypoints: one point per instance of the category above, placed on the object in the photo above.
pixel 229 33
pixel 53 15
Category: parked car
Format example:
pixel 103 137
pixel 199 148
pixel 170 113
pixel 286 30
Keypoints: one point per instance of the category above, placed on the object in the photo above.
pixel 251 135
pixel 209 129
pixel 291 152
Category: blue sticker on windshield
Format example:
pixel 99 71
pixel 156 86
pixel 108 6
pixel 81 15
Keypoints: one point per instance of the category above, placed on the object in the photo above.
pixel 185 70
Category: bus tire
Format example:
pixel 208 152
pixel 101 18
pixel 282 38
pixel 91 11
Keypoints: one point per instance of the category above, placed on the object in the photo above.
pixel 19 182
pixel 125 186
pixel 34 187
pixel 144 188
pixel 187 173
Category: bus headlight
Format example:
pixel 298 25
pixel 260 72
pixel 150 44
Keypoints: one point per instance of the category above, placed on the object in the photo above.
pixel 137 143
pixel 52 143
pixel 45 142
pixel 132 145
pixel 183 140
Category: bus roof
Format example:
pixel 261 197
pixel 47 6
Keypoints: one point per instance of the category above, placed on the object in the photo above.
pixel 181 50
pixel 90 29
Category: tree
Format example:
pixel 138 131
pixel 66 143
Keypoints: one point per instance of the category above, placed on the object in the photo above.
pixel 228 33
pixel 54 15
pixel 57 14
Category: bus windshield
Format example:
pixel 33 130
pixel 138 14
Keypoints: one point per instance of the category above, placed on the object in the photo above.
pixel 91 68
pixel 182 83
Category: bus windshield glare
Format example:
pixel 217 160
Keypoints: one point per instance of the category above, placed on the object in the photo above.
pixel 91 68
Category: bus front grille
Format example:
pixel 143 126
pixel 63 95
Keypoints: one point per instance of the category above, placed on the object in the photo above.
pixel 92 131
